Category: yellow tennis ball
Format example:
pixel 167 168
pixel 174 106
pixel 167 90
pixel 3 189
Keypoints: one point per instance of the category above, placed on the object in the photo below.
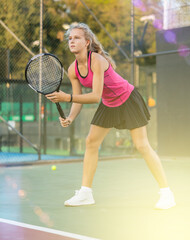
pixel 53 167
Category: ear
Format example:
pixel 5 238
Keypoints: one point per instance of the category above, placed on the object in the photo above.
pixel 87 43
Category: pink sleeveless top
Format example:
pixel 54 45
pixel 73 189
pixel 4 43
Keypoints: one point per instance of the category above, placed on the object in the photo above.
pixel 116 89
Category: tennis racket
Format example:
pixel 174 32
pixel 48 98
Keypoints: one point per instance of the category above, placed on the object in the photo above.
pixel 44 73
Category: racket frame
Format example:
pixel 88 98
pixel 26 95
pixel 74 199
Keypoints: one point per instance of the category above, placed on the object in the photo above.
pixel 57 90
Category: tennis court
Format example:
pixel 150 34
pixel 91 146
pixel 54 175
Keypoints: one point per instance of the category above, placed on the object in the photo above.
pixel 125 194
pixel 150 43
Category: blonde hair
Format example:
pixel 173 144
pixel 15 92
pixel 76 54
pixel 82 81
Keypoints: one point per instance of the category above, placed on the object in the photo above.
pixel 95 45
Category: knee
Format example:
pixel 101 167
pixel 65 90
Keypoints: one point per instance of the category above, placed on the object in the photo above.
pixel 91 142
pixel 142 147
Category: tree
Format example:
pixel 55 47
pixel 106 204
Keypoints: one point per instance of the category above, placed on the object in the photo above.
pixel 22 17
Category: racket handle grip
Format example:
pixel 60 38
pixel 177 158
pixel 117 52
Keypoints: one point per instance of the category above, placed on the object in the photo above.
pixel 60 110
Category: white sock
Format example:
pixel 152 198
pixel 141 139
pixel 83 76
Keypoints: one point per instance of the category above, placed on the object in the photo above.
pixel 165 190
pixel 86 189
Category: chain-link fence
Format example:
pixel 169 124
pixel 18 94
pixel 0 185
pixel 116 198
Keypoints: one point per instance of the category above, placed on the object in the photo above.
pixel 19 40
pixel 19 28
pixel 20 24
pixel 159 67
pixel 176 14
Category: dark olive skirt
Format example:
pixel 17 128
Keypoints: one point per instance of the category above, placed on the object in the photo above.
pixel 130 115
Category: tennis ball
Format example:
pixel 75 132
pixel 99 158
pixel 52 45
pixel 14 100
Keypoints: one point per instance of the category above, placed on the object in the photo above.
pixel 53 167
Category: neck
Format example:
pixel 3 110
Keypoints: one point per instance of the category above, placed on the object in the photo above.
pixel 81 57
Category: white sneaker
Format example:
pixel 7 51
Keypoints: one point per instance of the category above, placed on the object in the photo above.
pixel 80 198
pixel 166 200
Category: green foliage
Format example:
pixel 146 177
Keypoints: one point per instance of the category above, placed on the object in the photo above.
pixel 23 16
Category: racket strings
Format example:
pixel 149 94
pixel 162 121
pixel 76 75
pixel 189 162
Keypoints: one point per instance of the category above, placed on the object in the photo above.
pixel 44 74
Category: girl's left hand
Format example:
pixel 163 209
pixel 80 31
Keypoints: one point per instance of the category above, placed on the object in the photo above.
pixel 65 122
pixel 56 97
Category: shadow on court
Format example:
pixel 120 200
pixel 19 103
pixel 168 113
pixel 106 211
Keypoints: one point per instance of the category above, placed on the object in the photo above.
pixel 125 194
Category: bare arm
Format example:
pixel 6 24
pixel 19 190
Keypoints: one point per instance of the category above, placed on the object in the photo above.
pixel 77 90
pixel 76 107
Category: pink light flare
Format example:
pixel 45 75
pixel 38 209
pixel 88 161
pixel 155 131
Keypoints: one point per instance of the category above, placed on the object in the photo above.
pixel 139 4
pixel 170 37
pixel 158 24
pixel 182 51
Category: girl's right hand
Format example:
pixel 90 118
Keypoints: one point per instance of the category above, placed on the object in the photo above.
pixel 65 122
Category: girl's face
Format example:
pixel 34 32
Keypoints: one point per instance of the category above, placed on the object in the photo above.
pixel 77 41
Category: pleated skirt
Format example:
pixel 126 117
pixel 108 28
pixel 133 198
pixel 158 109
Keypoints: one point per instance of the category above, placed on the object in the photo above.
pixel 130 115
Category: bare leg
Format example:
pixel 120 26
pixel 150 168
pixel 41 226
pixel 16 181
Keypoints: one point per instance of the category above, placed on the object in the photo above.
pixel 139 136
pixel 84 195
pixel 94 139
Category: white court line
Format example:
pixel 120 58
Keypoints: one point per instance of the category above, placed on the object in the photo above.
pixel 48 230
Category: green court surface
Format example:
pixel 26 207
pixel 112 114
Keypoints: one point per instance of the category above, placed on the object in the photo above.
pixel 125 194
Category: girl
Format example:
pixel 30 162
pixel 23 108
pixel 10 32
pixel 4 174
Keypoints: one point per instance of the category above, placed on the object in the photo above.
pixel 122 107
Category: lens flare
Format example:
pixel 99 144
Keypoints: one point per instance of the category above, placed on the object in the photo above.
pixel 158 24
pixel 14 185
pixel 44 217
pixel 183 52
pixel 170 37
pixel 139 4
pixel 22 193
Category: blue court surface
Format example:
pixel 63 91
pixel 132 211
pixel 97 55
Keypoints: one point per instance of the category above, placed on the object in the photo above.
pixel 7 158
